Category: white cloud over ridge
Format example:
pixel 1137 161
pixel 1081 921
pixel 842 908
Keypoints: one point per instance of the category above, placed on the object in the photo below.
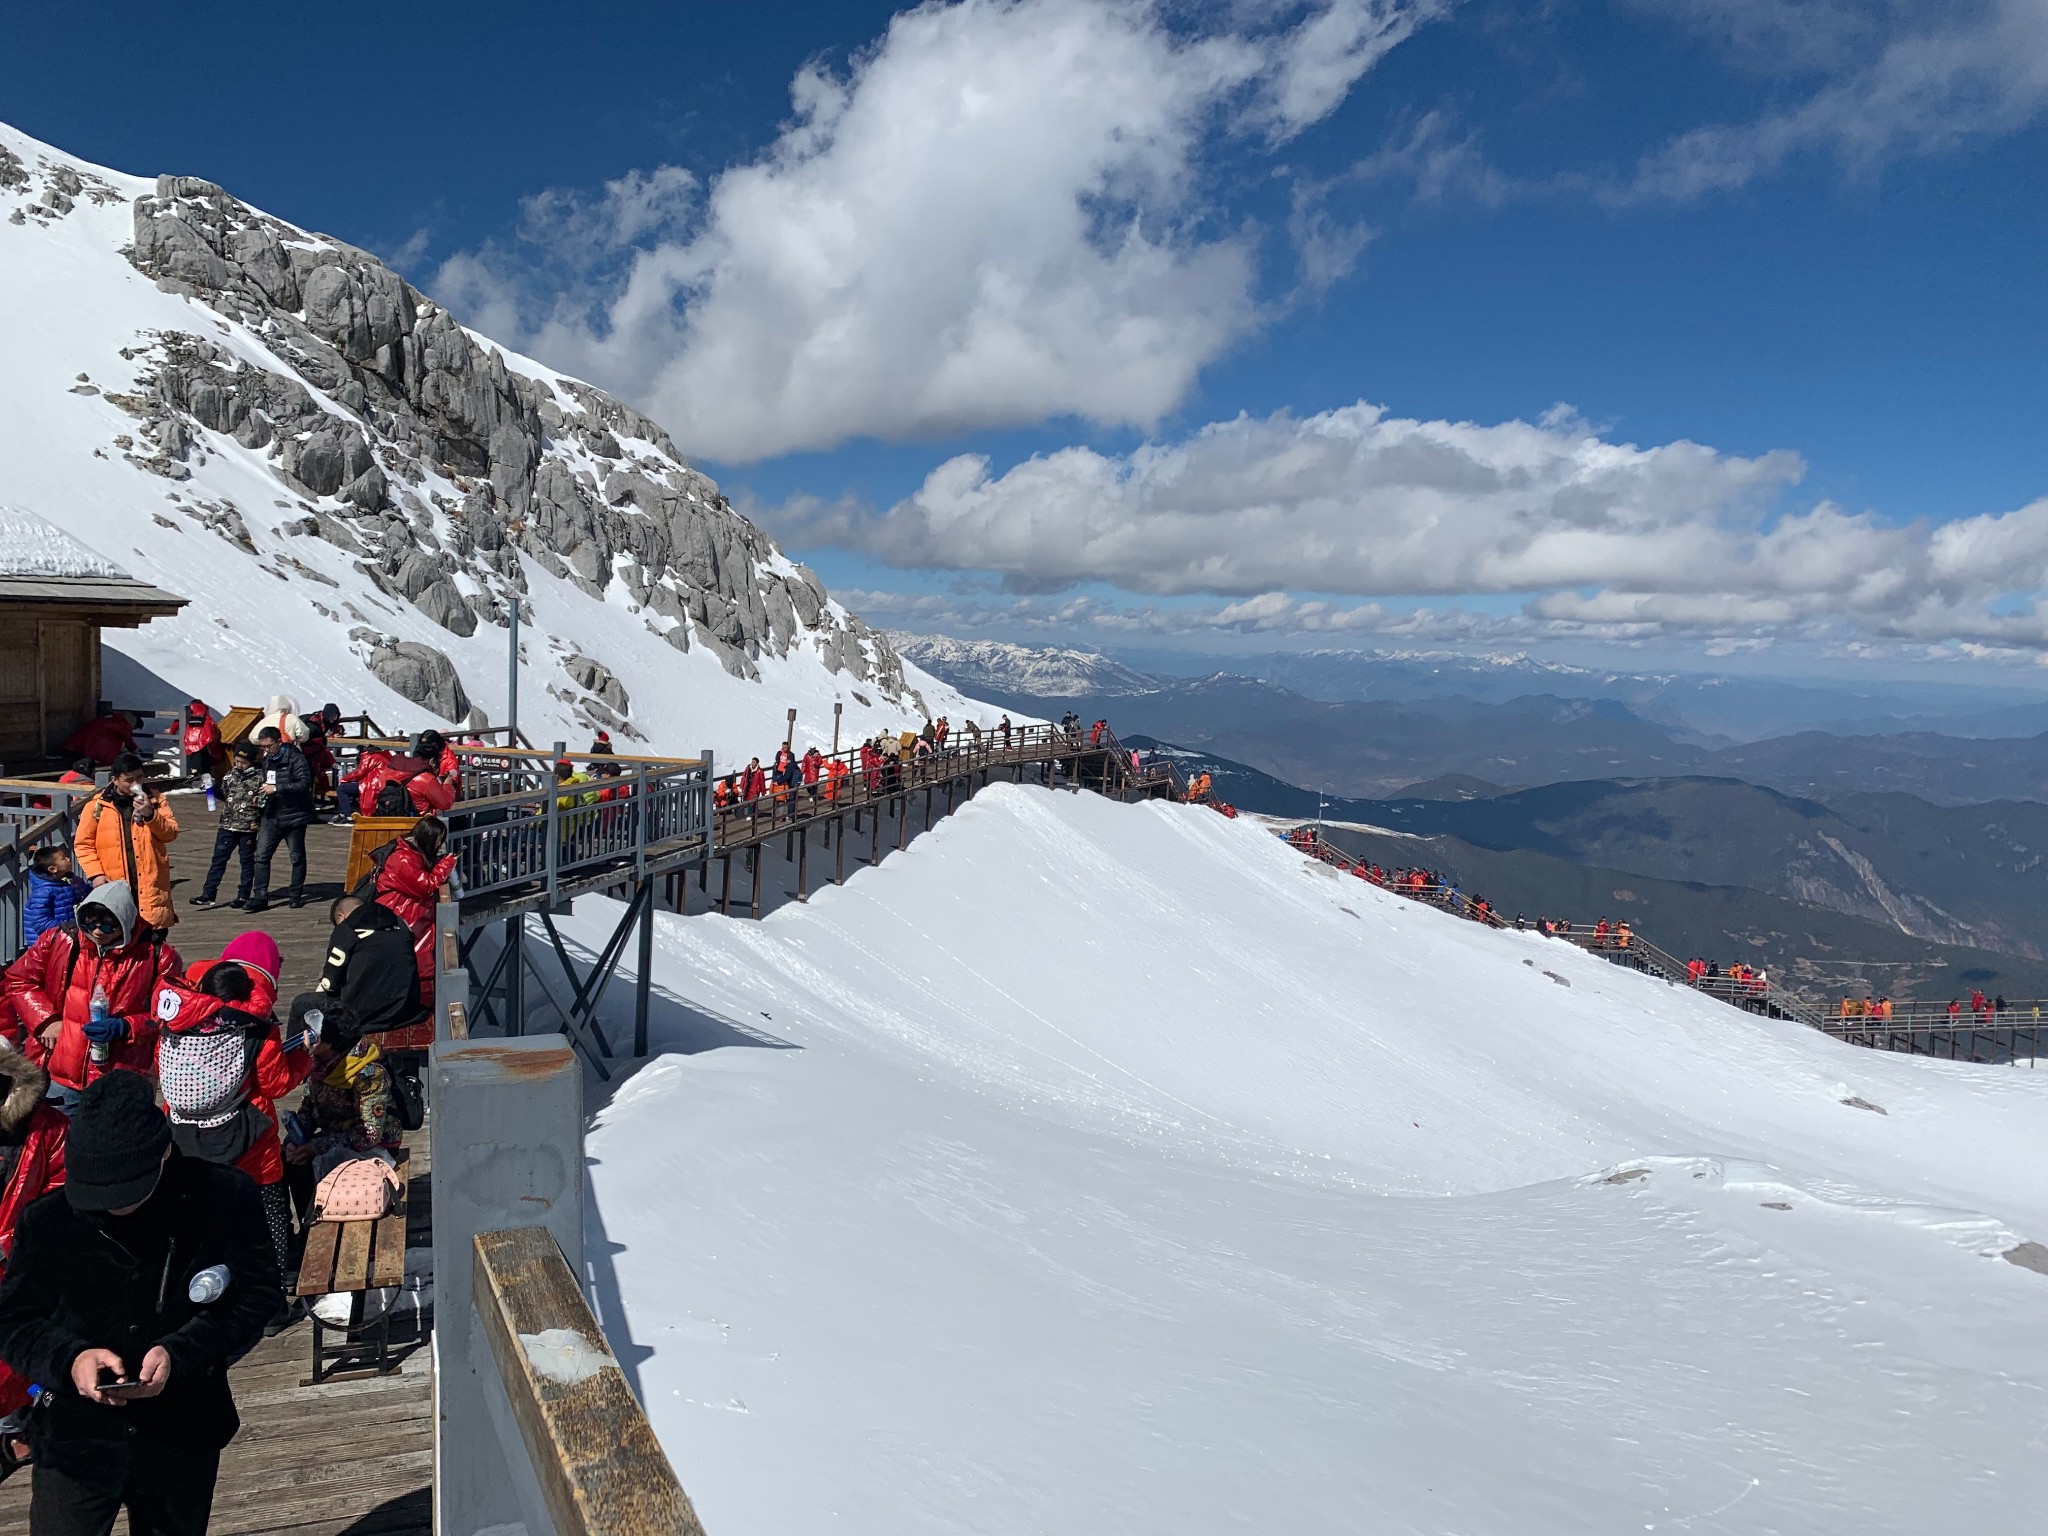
pixel 997 214
pixel 1600 540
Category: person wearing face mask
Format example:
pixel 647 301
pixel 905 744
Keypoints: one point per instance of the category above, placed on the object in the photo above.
pixel 86 993
pixel 124 833
pixel 127 1296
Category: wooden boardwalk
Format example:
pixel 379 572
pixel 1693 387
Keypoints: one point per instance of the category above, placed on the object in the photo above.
pixel 349 1458
pixel 302 934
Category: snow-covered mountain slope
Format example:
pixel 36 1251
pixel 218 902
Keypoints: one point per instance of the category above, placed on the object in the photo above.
pixel 1136 1175
pixel 349 486
pixel 1046 672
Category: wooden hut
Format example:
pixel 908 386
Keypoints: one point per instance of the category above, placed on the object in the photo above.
pixel 50 651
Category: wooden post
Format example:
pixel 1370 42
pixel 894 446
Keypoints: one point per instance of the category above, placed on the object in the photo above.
pixel 902 822
pixel 839 855
pixel 757 880
pixel 803 863
pixel 875 853
pixel 725 892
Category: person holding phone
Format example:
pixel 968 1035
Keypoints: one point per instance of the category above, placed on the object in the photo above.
pixel 128 1295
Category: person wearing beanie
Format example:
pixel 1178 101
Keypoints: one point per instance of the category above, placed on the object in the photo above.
pixel 107 1303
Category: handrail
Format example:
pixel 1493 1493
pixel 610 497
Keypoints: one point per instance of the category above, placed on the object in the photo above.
pixel 599 1468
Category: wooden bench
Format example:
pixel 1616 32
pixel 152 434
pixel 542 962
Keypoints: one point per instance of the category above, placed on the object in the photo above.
pixel 350 1258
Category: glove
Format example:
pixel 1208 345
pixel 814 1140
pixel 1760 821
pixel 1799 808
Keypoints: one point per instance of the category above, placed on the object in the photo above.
pixel 106 1031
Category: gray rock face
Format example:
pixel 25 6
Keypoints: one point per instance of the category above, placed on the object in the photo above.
pixel 394 401
pixel 595 677
pixel 417 672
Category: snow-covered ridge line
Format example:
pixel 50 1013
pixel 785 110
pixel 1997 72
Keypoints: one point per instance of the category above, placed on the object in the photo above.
pixel 174 350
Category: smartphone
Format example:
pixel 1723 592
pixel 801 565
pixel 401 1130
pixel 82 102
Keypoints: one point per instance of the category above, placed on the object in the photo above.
pixel 119 1391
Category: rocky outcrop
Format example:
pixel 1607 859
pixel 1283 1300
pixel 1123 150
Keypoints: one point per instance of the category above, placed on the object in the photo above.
pixel 417 672
pixel 425 452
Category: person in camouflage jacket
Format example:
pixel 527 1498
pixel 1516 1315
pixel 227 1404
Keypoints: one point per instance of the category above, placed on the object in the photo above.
pixel 241 808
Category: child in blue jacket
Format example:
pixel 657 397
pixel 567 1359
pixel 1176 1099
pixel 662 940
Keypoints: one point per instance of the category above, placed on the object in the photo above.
pixel 54 892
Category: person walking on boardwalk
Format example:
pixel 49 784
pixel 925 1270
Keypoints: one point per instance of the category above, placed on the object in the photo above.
pixel 241 812
pixel 127 1296
pixel 287 808
pixel 123 833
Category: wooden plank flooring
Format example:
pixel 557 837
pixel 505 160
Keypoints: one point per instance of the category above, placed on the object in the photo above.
pixel 349 1458
pixel 302 934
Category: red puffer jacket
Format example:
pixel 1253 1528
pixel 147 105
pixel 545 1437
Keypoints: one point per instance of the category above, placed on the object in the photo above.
pixel 276 1073
pixel 409 887
pixel 38 1168
pixel 54 979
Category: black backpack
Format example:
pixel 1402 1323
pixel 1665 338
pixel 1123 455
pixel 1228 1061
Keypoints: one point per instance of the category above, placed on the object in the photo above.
pixel 392 800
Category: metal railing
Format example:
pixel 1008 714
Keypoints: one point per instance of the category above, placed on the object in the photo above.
pixel 530 836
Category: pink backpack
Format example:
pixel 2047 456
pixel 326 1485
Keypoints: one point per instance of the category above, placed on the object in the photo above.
pixel 361 1189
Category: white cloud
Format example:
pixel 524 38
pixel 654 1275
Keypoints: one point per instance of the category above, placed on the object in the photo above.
pixel 1598 538
pixel 1895 81
pixel 1349 501
pixel 997 214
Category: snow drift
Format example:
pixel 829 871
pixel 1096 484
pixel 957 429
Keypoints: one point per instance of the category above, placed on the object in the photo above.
pixel 1132 1173
pixel 352 488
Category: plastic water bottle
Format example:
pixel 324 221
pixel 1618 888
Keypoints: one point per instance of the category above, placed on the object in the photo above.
pixel 100 1050
pixel 210 1284
pixel 211 804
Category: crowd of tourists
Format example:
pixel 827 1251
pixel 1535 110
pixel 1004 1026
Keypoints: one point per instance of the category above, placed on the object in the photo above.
pixel 793 783
pixel 154 1198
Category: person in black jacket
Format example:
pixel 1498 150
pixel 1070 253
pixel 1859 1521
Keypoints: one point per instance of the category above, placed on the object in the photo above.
pixel 287 807
pixel 371 965
pixel 129 1293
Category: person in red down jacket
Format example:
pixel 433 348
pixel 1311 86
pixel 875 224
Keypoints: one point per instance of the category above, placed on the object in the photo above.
pixel 102 738
pixel 52 984
pixel 251 996
pixel 356 785
pixel 200 739
pixel 753 781
pixel 409 886
pixel 32 1134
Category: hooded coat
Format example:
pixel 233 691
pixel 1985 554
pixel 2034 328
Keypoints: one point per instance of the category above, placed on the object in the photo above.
pixel 54 979
pixel 112 845
pixel 68 1283
pixel 32 1134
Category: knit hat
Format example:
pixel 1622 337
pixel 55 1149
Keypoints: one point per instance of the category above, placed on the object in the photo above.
pixel 115 1150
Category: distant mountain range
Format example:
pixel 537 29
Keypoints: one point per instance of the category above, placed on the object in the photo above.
pixel 1375 748
pixel 1041 671
pixel 1878 890
pixel 1705 709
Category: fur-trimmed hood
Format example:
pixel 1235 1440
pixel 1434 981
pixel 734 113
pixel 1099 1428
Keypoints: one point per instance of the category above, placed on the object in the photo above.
pixel 22 1086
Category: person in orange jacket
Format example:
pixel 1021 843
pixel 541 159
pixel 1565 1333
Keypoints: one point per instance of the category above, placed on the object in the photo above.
pixel 123 832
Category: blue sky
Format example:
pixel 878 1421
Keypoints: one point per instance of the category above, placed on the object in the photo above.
pixel 1049 253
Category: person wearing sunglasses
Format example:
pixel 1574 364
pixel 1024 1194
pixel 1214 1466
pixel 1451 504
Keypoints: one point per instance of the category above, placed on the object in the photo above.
pixel 86 992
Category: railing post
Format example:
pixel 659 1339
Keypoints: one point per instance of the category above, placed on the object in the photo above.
pixel 554 820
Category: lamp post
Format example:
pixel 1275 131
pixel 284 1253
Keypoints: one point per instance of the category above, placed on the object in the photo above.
pixel 789 736
pixel 512 677
pixel 838 709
